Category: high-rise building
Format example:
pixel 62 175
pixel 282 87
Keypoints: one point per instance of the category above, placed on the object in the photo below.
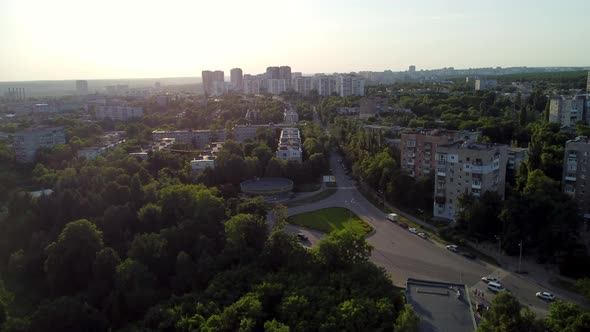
pixel 351 85
pixel 483 84
pixel 303 85
pixel 251 85
pixel 412 69
pixel 82 87
pixel 276 86
pixel 26 142
pixel 15 94
pixel 273 73
pixel 566 111
pixel 236 79
pixel 467 168
pixel 419 148
pixel 285 74
pixel 208 78
pixel 576 165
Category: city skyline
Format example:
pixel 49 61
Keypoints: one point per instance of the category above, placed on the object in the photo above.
pixel 64 40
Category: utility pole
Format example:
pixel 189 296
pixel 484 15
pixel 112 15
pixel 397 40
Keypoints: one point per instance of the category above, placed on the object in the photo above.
pixel 520 256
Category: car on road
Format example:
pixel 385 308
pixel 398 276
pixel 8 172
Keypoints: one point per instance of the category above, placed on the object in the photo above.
pixel 490 279
pixel 496 287
pixel 391 217
pixel 302 237
pixel 468 254
pixel 545 296
pixel 402 225
pixel 453 248
pixel 422 235
pixel 413 230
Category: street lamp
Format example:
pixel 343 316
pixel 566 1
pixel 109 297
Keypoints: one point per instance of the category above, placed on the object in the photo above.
pixel 520 256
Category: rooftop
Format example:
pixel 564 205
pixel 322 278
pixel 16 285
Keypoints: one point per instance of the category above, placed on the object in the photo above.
pixel 471 146
pixel 439 308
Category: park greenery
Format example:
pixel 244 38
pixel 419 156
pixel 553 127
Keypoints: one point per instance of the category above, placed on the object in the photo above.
pixel 331 219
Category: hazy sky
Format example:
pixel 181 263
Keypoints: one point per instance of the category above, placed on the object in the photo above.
pixel 84 39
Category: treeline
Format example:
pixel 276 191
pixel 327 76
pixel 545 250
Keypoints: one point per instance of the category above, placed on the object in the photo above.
pixel 561 80
pixel 127 245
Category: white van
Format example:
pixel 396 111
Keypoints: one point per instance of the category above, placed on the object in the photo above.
pixel 495 287
pixel 392 217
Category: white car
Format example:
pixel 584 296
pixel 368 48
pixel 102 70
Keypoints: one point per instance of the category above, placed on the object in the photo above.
pixel 413 230
pixel 546 296
pixel 496 287
pixel 490 279
pixel 422 235
pixel 453 248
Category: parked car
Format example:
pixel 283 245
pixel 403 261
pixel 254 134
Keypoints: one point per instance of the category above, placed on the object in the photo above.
pixel 402 225
pixel 490 279
pixel 545 296
pixel 413 230
pixel 392 217
pixel 496 287
pixel 453 248
pixel 469 255
pixel 302 236
pixel 422 235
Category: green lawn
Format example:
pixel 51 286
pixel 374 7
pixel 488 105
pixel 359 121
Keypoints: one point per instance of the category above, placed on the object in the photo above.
pixel 312 199
pixel 331 219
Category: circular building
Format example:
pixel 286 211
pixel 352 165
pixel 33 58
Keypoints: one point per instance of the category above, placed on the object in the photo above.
pixel 272 189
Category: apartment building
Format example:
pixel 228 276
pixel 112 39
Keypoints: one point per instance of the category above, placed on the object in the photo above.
pixel 483 84
pixel 515 156
pixel 209 77
pixel 467 168
pixel 289 148
pixel 326 85
pixel 118 112
pixel 250 85
pixel 26 142
pixel 351 85
pixel 245 132
pixel 199 138
pixel 206 158
pixel 576 172
pixel 567 110
pixel 420 147
pixel 290 116
pixel 302 85
pixel 109 142
pixel 276 86
pixel 236 79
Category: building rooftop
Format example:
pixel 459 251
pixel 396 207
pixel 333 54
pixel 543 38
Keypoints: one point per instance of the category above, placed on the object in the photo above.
pixel 439 307
pixel 579 139
pixel 471 145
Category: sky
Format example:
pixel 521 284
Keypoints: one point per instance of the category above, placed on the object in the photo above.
pixel 90 39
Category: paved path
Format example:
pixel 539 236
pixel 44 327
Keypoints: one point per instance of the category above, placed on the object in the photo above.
pixel 404 255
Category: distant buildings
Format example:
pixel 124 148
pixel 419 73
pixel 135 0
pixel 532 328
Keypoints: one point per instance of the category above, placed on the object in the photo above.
pixel 567 110
pixel 483 84
pixel 236 79
pixel 419 148
pixel 15 94
pixel 347 111
pixel 110 142
pixel 290 145
pixel 515 156
pixel 467 168
pixel 251 85
pixel 81 87
pixel 302 85
pixel 209 78
pixel 206 158
pixel 276 86
pixel 576 172
pixel 198 138
pixel 26 142
pixel 118 112
pixel 351 85
pixel 588 83
pixel 117 90
pixel 326 85
pixel 412 69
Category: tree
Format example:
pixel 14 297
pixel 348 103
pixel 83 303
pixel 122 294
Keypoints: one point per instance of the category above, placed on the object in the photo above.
pixel 66 314
pixel 149 249
pixel 583 286
pixel 407 320
pixel 70 258
pixel 246 235
pixel 567 317
pixel 275 326
pixel 342 249
pixel 504 315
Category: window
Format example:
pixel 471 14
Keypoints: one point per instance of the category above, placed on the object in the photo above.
pixel 467 159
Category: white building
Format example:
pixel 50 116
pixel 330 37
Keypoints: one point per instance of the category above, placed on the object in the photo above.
pixel 199 165
pixel 302 85
pixel 326 85
pixel 26 142
pixel 236 78
pixel 251 85
pixel 483 84
pixel 276 86
pixel 289 148
pixel 566 111
pixel 118 112
pixel 351 85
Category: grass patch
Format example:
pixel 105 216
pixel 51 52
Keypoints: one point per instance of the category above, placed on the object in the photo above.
pixel 331 219
pixel 312 199
pixel 563 284
pixel 307 187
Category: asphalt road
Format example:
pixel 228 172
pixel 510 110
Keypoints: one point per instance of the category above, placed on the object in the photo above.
pixel 404 255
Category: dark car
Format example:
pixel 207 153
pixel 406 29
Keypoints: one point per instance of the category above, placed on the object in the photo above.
pixel 402 225
pixel 468 254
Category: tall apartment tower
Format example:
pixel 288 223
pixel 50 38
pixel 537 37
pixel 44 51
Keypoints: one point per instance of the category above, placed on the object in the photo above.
pixel 419 148
pixel 209 77
pixel 302 85
pixel 285 74
pixel 273 73
pixel 250 85
pixel 566 111
pixel 351 85
pixel 236 79
pixel 412 69
pixel 467 168
pixel 82 87
pixel 576 171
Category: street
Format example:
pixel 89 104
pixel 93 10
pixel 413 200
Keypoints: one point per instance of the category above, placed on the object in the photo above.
pixel 404 255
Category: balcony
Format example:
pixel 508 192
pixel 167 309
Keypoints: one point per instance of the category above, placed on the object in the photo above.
pixel 476 185
pixel 411 162
pixel 570 178
pixel 441 172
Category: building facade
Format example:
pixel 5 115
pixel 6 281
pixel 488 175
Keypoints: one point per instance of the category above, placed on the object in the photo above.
pixel 302 85
pixel 199 138
pixel 576 172
pixel 81 87
pixel 251 85
pixel 467 168
pixel 209 77
pixel 483 84
pixel 326 85
pixel 419 148
pixel 276 86
pixel 236 79
pixel 118 112
pixel 26 142
pixel 351 85
pixel 289 148
pixel 566 110
pixel 290 116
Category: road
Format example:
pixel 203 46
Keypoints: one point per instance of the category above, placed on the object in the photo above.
pixel 404 255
